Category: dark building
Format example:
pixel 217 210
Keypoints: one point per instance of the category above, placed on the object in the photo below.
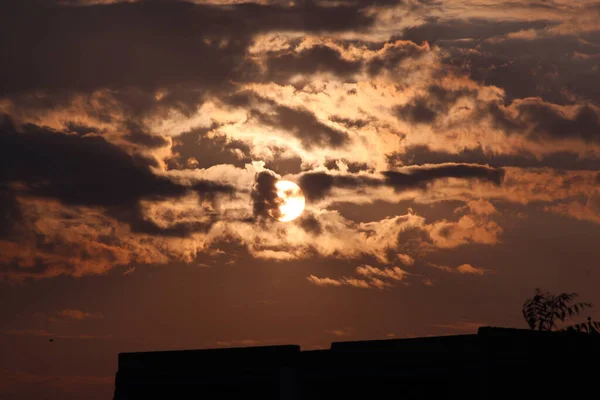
pixel 495 363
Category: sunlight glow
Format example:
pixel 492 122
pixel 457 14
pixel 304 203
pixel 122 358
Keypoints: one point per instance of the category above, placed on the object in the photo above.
pixel 292 203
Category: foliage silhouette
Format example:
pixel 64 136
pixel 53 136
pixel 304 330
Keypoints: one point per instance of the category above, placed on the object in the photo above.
pixel 590 327
pixel 544 310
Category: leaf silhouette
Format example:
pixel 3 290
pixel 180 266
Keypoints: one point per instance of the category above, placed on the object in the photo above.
pixel 544 309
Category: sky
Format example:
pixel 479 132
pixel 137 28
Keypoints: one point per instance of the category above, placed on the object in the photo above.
pixel 448 152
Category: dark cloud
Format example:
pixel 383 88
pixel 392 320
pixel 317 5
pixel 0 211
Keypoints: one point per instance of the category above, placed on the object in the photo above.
pixel 542 121
pixel 144 139
pixel 87 171
pixel 417 111
pixel 498 117
pixel 353 167
pixel 350 123
pixel 80 129
pixel 285 165
pixel 264 196
pixel 317 185
pixel 195 149
pixel 446 96
pixel 537 119
pixel 149 44
pixel 556 67
pixel 437 30
pixel 310 224
pixel 393 55
pixel 10 212
pixel 438 100
pixel 303 124
pixel 361 3
pixel 547 121
pixel 300 122
pixel 417 176
pixel 559 160
pixel 309 61
pixel 140 223
pixel 411 240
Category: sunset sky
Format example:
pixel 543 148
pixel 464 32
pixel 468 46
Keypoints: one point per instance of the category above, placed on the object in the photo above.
pixel 448 152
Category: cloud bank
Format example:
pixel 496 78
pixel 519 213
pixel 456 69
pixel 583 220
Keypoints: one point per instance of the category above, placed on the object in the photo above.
pixel 162 138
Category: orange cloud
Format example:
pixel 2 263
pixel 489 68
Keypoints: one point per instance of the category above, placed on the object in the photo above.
pixel 338 332
pixel 324 281
pixel 405 259
pixel 373 283
pixel 466 269
pixel 395 273
pixel 469 269
pixel 367 106
pixel 371 274
pixel 71 313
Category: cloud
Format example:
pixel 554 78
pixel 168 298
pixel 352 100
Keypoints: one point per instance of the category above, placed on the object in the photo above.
pixel 88 231
pixel 324 281
pixel 264 195
pixel 120 148
pixel 199 149
pixel 546 120
pixel 586 209
pixel 147 140
pixel 347 281
pixel 413 176
pixel 394 273
pixel 10 212
pixel 316 185
pixel 54 239
pixel 392 54
pixel 437 30
pixel 379 284
pixel 474 227
pixel 71 313
pixel 358 283
pixel 438 101
pixel 338 332
pixel 406 259
pixel 310 223
pixel 469 269
pixel 369 278
pixel 319 58
pixel 298 121
pixel 466 269
pixel 89 171
pixel 558 159
pixel 479 207
pixel 200 44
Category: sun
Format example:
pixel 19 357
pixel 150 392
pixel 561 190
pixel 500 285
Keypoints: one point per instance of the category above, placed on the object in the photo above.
pixel 291 201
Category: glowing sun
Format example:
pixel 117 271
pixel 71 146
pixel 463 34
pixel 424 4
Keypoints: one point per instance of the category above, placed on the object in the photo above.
pixel 291 201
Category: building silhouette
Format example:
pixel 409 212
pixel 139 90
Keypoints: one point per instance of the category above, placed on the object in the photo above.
pixel 495 363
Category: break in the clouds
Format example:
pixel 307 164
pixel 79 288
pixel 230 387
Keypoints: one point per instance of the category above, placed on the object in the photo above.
pixel 162 138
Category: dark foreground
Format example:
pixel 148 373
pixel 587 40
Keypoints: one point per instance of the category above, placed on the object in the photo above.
pixel 495 363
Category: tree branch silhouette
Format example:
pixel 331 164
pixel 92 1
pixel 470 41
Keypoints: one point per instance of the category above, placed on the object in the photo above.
pixel 545 309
